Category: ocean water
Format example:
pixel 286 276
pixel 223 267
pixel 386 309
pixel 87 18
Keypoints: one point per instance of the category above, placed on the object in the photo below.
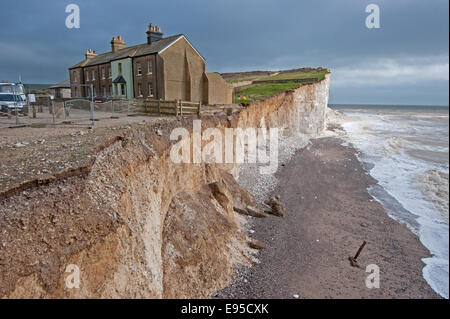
pixel 406 148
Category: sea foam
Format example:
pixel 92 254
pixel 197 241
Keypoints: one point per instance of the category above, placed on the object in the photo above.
pixel 407 152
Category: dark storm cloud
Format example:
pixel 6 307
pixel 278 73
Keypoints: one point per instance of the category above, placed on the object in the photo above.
pixel 406 56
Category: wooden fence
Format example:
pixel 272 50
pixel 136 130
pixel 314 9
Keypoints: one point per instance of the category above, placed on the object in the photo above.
pixel 165 107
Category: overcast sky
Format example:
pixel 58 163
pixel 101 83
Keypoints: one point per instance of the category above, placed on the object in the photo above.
pixel 406 61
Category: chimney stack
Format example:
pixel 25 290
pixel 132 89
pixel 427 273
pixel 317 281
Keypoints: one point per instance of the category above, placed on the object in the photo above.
pixel 90 54
pixel 153 34
pixel 117 44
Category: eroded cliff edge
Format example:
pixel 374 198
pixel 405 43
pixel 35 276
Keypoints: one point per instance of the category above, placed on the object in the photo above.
pixel 135 223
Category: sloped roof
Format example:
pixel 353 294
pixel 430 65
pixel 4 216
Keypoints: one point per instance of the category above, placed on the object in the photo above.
pixel 214 76
pixel 62 84
pixel 133 51
pixel 119 79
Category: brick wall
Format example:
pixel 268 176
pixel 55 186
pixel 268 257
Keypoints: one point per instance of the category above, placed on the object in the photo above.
pixel 76 77
pixel 146 77
pixel 104 83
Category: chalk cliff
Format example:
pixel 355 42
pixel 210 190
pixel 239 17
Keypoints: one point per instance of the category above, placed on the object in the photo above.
pixel 136 224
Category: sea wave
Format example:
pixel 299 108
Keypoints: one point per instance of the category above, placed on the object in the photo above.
pixel 435 188
pixel 407 153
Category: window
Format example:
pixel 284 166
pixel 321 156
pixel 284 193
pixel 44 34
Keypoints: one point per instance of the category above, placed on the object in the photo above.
pixel 103 73
pixel 87 75
pixel 110 74
pixel 110 90
pixel 150 90
pixel 74 92
pixel 150 66
pixel 140 89
pixel 122 89
pixel 75 76
pixel 139 69
pixel 93 75
pixel 95 94
pixel 120 68
pixel 104 91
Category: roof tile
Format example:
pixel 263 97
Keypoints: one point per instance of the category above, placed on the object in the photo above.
pixel 133 51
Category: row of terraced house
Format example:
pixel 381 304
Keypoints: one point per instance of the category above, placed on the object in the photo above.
pixel 162 68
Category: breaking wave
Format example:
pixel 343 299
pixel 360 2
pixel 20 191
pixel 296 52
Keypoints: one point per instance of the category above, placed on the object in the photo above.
pixel 407 152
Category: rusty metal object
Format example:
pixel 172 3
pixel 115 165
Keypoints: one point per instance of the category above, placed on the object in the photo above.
pixel 353 260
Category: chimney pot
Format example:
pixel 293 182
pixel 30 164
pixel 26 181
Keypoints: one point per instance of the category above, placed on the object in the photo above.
pixel 117 43
pixel 153 34
pixel 90 54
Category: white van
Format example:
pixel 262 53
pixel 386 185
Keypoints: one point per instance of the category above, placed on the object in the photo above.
pixel 12 96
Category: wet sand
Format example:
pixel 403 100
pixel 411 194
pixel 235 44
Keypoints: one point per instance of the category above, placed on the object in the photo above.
pixel 329 214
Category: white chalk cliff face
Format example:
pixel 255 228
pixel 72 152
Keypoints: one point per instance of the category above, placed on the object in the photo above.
pixel 302 110
pixel 136 224
pixel 312 104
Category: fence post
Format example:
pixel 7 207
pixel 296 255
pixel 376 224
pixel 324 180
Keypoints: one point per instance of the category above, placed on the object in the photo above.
pixel 176 107
pixel 181 108
pixel 57 113
pixel 159 107
pixel 9 113
pixel 28 107
pixel 53 111
pixel 33 109
pixel 17 115
pixel 112 106
pixel 92 106
pixel 64 110
pixel 199 108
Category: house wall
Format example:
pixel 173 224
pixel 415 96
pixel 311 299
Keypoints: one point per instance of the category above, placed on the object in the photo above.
pixel 61 93
pixel 145 78
pixel 216 90
pixel 183 72
pixel 160 85
pixel 66 93
pixel 127 73
pixel 77 91
pixel 104 83
pixel 178 73
pixel 88 71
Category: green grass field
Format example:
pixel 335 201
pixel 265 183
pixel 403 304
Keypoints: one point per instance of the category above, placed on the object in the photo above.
pixel 240 79
pixel 254 92
pixel 261 91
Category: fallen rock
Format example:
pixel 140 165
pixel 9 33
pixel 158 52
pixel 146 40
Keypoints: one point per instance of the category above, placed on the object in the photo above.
pixel 219 191
pixel 256 244
pixel 255 212
pixel 277 208
pixel 248 210
pixel 364 225
pixel 240 209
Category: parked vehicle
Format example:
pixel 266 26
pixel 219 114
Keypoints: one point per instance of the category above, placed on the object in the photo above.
pixel 12 97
